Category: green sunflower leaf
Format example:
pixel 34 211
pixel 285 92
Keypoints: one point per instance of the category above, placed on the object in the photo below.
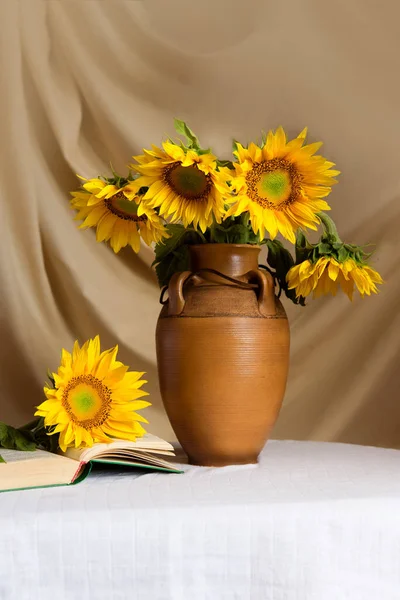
pixel 324 248
pixel 172 255
pixel 225 163
pixel 13 439
pixel 162 249
pixel 219 234
pixel 302 247
pixel 291 294
pixel 237 234
pixel 3 431
pixel 359 256
pixel 22 442
pixel 234 230
pixel 281 260
pixel 301 240
pixel 183 129
pixel 6 438
pixel 342 254
pixel 175 262
pixel 2 459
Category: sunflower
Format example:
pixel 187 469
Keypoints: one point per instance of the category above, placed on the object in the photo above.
pixel 94 398
pixel 327 274
pixel 281 184
pixel 184 184
pixel 118 214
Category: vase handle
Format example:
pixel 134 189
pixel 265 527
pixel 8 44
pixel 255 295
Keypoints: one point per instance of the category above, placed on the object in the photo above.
pixel 266 291
pixel 176 301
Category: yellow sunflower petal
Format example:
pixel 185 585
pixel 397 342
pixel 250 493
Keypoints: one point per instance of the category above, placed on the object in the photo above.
pixel 93 200
pixel 105 227
pixel 134 240
pixel 94 216
pixel 173 151
pixel 303 134
pixel 94 186
pixel 280 139
pixel 153 190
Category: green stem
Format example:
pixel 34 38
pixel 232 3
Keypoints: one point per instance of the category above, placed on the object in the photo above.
pixel 211 230
pixel 245 219
pixel 199 233
pixel 264 241
pixel 329 227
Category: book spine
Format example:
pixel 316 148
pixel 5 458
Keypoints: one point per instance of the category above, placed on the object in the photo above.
pixel 78 471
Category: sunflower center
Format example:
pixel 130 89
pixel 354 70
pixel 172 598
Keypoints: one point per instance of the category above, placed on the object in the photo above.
pixel 123 208
pixel 87 401
pixel 274 183
pixel 188 182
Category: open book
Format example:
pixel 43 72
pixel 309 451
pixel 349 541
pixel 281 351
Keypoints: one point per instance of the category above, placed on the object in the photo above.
pixel 22 470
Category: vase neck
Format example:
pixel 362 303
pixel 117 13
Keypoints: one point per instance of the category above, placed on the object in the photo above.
pixel 231 259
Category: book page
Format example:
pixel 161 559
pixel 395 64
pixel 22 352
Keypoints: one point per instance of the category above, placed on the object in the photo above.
pixel 136 463
pixel 148 443
pixel 12 456
pixel 34 469
pixel 130 458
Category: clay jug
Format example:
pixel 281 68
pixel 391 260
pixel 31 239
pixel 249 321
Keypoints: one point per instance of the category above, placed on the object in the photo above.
pixel 223 352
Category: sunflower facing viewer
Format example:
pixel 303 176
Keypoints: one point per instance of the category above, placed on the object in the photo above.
pixel 281 184
pixel 94 398
pixel 183 184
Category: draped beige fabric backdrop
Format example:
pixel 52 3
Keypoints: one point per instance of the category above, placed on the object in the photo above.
pixel 85 82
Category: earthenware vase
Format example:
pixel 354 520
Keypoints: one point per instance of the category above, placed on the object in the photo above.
pixel 223 353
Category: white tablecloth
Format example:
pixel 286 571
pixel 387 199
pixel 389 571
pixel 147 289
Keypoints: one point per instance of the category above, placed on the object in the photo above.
pixel 313 521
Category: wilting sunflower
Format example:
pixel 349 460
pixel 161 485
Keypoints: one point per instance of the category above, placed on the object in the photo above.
pixel 94 399
pixel 281 184
pixel 118 214
pixel 183 184
pixel 327 274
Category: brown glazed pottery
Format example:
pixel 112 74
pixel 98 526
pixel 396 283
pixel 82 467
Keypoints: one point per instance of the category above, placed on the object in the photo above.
pixel 223 352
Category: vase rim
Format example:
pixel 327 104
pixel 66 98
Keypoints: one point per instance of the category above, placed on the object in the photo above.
pixel 257 246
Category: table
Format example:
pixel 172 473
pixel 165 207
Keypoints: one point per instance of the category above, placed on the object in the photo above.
pixel 312 521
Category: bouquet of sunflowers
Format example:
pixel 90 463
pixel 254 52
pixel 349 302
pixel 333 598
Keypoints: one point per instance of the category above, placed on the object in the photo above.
pixel 182 194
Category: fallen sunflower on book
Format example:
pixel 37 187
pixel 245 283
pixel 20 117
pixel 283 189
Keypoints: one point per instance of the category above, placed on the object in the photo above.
pixel 89 417
pixel 92 398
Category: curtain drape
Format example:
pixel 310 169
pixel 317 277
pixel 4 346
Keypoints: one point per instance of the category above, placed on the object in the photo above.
pixel 87 82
